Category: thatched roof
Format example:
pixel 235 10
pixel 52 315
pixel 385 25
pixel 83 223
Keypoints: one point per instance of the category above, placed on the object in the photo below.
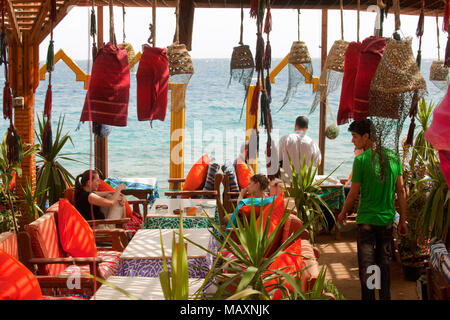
pixel 32 17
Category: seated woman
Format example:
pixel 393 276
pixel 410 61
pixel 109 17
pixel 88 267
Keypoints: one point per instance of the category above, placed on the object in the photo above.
pixel 255 190
pixel 105 205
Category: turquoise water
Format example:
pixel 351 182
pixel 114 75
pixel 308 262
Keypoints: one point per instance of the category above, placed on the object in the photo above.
pixel 212 122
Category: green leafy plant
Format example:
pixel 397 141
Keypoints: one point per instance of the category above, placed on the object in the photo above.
pixel 310 206
pixel 29 200
pixel 7 170
pixel 52 176
pixel 249 246
pixel 434 217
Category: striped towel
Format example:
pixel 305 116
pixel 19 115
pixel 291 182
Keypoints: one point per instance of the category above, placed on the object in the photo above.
pixel 440 258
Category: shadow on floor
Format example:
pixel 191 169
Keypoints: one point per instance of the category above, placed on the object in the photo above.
pixel 340 257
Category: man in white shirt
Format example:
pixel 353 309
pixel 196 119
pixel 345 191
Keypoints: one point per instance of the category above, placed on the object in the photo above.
pixel 298 145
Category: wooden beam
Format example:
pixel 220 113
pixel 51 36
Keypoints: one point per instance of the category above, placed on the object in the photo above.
pixel 13 23
pixel 43 12
pixel 186 23
pixel 60 14
pixel 322 118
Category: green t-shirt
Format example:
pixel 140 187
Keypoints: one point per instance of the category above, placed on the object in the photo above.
pixel 376 201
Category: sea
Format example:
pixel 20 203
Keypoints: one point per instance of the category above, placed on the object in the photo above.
pixel 212 120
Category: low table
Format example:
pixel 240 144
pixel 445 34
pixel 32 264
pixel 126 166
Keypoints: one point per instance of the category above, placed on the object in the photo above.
pixel 140 287
pixel 164 218
pixel 143 256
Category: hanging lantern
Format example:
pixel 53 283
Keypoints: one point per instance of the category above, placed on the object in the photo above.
pixel 181 68
pixel 242 65
pixel 395 88
pixel 299 54
pixel 331 78
pixel 439 74
pixel 131 53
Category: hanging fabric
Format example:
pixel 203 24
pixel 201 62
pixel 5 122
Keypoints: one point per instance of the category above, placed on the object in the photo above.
pixel 152 84
pixel 446 29
pixel 439 74
pixel 331 77
pixel 300 66
pixel 109 88
pixel 395 88
pixel 152 80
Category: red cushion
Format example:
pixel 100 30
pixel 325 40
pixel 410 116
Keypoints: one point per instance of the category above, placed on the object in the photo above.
pixel 75 234
pixel 290 262
pixel 45 243
pixel 16 281
pixel 8 243
pixel 196 177
pixel 247 211
pixel 275 219
pixel 103 186
pixel 243 174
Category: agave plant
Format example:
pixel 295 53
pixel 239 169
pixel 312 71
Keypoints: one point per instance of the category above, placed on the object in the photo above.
pixel 249 247
pixel 52 175
pixel 306 192
pixel 29 199
pixel 7 170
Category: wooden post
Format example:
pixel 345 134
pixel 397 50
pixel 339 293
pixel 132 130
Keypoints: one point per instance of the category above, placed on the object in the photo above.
pixel 250 123
pixel 101 144
pixel 186 23
pixel 322 119
pixel 24 85
pixel 177 128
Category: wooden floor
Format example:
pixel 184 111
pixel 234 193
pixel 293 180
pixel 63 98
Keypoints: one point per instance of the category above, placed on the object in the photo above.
pixel 340 257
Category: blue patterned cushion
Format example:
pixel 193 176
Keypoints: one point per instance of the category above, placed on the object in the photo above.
pixel 213 168
pixel 440 258
pixel 228 169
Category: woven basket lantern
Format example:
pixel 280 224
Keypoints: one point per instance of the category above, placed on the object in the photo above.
pixel 181 68
pixel 336 56
pixel 131 54
pixel 299 53
pixel 396 80
pixel 439 74
pixel 242 64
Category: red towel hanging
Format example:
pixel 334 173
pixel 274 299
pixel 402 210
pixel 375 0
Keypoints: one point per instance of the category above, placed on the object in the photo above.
pixel 372 49
pixel 347 102
pixel 109 88
pixel 152 84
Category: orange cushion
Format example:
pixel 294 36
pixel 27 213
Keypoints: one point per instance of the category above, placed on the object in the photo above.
pixel 45 243
pixel 290 262
pixel 103 186
pixel 16 281
pixel 275 219
pixel 243 174
pixel 247 210
pixel 196 177
pixel 75 234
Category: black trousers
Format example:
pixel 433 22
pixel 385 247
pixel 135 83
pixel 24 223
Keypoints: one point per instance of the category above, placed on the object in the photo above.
pixel 373 243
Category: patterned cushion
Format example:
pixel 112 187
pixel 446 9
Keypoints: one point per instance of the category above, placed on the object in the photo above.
pixel 8 243
pixel 45 243
pixel 440 258
pixel 213 168
pixel 107 268
pixel 228 169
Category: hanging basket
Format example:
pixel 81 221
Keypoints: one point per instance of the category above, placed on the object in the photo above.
pixel 336 56
pixel 131 53
pixel 181 68
pixel 439 74
pixel 299 53
pixel 242 65
pixel 396 80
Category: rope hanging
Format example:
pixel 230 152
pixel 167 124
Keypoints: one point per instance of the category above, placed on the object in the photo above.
pixel 152 27
pixel 112 36
pixel 47 142
pixel 342 19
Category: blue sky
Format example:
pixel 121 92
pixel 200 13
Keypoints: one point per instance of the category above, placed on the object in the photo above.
pixel 216 31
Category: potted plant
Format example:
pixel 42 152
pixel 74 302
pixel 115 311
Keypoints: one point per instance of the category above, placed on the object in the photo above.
pixel 303 188
pixel 8 201
pixel 52 176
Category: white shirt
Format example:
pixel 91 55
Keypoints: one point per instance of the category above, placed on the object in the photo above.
pixel 297 144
